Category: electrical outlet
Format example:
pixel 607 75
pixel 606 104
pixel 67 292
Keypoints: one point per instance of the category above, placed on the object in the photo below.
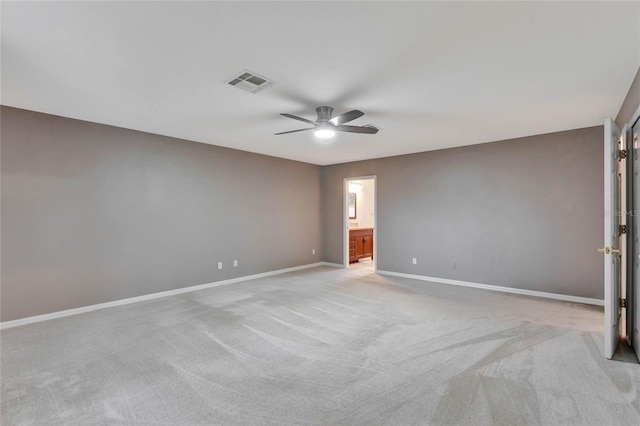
pixel 313 251
pixel 219 265
pixel 235 263
pixel 414 261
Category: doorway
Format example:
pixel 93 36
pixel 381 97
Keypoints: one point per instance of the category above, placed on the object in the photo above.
pixel 622 238
pixel 360 224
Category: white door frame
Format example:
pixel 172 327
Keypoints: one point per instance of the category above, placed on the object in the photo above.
pixel 623 220
pixel 345 220
pixel 633 302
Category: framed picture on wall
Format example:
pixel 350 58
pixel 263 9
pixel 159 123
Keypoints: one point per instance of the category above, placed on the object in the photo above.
pixel 351 204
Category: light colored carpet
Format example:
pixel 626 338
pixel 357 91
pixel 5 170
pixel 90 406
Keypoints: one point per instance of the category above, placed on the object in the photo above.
pixel 321 346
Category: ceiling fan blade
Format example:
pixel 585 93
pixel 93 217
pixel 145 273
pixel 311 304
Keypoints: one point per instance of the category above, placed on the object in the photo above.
pixel 293 131
pixel 357 129
pixel 299 118
pixel 346 117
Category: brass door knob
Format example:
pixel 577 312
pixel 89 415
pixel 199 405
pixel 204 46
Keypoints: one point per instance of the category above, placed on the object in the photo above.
pixel 608 250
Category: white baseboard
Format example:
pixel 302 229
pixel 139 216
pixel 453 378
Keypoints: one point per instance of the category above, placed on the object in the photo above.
pixel 556 296
pixel 333 265
pixel 68 312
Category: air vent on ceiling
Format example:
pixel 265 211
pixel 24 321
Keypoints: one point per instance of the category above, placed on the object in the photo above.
pixel 250 81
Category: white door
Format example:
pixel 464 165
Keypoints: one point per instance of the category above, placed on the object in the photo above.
pixel 611 250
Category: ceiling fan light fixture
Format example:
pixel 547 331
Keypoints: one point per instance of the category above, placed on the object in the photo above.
pixel 324 132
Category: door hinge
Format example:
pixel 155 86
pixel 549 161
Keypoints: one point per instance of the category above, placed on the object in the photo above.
pixel 623 303
pixel 622 229
pixel 622 154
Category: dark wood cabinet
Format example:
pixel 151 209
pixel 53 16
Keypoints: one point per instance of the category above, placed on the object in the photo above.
pixel 360 244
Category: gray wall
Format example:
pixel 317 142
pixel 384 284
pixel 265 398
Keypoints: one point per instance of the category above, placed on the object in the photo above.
pixel 523 213
pixel 93 213
pixel 631 102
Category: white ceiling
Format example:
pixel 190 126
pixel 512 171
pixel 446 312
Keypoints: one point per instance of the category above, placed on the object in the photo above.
pixel 432 75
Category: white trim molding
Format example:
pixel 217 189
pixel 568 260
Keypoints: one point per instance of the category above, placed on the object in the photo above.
pixel 333 265
pixel 556 296
pixel 634 117
pixel 68 312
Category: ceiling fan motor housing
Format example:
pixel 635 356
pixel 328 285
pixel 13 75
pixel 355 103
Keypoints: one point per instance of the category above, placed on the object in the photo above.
pixel 324 113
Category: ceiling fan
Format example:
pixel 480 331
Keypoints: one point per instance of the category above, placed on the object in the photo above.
pixel 325 127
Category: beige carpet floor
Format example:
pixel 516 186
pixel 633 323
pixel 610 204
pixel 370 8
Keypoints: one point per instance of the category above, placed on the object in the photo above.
pixel 321 346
